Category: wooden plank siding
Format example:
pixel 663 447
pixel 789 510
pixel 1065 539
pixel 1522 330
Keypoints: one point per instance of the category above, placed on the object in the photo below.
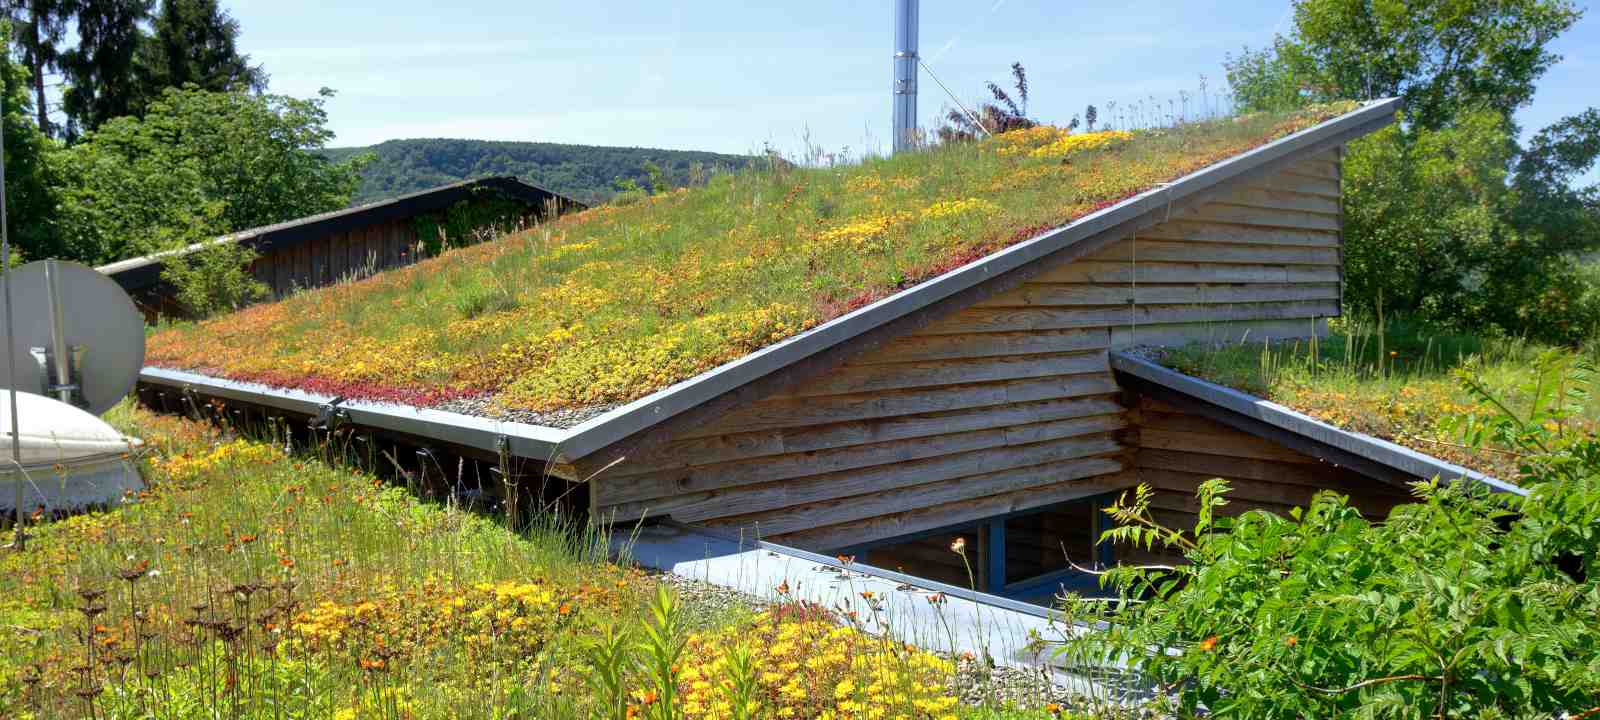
pixel 337 257
pixel 1008 405
pixel 1176 451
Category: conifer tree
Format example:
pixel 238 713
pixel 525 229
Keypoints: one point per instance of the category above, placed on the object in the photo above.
pixel 38 27
pixel 194 42
pixel 101 82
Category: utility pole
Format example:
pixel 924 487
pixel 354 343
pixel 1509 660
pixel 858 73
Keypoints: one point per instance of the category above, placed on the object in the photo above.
pixel 905 75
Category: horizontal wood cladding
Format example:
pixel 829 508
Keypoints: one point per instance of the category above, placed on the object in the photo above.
pixel 1009 405
pixel 1178 451
pixel 704 491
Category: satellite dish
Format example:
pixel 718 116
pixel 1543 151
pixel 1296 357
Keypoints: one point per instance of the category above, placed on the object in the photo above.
pixel 62 309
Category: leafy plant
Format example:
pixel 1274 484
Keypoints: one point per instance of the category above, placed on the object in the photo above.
pixel 1002 115
pixel 1467 603
pixel 214 279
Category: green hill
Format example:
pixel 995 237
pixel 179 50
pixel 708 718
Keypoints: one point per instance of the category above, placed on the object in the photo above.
pixel 583 172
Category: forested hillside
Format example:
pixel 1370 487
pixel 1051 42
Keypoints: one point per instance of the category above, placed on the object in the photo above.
pixel 587 173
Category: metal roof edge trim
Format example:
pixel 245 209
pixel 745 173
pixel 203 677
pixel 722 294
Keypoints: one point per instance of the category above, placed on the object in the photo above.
pixel 610 427
pixel 1372 448
pixel 525 440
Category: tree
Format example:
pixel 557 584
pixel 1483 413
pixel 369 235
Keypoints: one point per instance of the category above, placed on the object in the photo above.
pixel 101 82
pixel 30 194
pixel 197 165
pixel 1447 217
pixel 40 26
pixel 1443 57
pixel 194 42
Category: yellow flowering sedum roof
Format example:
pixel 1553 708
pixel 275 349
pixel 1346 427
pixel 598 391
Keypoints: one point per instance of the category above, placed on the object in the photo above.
pixel 607 305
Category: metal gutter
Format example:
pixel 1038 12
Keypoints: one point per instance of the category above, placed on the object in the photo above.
pixel 521 439
pixel 567 445
pixel 1382 452
pixel 640 414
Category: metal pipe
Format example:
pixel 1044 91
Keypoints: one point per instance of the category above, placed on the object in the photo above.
pixel 905 75
pixel 11 345
pixel 58 336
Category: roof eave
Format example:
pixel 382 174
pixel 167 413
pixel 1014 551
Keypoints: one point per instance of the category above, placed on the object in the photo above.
pixel 520 439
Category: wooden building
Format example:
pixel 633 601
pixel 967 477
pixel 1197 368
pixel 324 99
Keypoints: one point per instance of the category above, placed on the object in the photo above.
pixel 343 244
pixel 992 402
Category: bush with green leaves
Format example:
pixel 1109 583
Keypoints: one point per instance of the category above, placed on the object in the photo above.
pixel 1466 603
pixel 198 164
pixel 214 279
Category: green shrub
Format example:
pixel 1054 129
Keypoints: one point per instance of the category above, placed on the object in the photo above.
pixel 214 279
pixel 1464 604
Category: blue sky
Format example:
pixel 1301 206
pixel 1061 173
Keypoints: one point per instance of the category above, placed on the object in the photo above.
pixel 732 77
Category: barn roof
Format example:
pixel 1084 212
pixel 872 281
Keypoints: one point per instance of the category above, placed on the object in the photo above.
pixel 144 271
pixel 793 358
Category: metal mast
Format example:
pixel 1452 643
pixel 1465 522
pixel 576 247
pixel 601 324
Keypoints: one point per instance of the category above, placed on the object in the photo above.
pixel 11 356
pixel 905 75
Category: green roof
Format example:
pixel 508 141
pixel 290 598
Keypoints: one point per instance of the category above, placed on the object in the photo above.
pixel 606 306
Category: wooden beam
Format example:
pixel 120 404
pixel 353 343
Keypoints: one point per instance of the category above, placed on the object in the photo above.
pixel 1172 272
pixel 914 348
pixel 1044 317
pixel 735 446
pixel 1152 250
pixel 930 373
pixel 928 518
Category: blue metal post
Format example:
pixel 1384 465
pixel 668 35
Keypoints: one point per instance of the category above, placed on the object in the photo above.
pixel 996 561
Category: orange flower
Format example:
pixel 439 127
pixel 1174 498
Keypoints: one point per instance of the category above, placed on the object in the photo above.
pixel 1209 643
pixel 1291 641
pixel 287 562
pixel 783 588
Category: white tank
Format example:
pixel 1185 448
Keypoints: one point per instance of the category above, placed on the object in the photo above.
pixel 70 458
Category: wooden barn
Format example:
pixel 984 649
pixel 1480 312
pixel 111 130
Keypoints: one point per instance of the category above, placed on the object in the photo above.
pixel 354 242
pixel 994 402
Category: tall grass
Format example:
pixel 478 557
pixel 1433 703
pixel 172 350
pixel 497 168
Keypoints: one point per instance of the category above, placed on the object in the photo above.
pixel 251 582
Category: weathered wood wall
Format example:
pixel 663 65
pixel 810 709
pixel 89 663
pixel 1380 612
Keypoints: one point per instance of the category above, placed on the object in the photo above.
pixel 1009 404
pixel 337 256
pixel 1176 451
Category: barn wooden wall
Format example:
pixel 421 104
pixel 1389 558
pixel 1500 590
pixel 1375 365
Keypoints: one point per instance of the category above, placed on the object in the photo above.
pixel 1006 405
pixel 337 256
